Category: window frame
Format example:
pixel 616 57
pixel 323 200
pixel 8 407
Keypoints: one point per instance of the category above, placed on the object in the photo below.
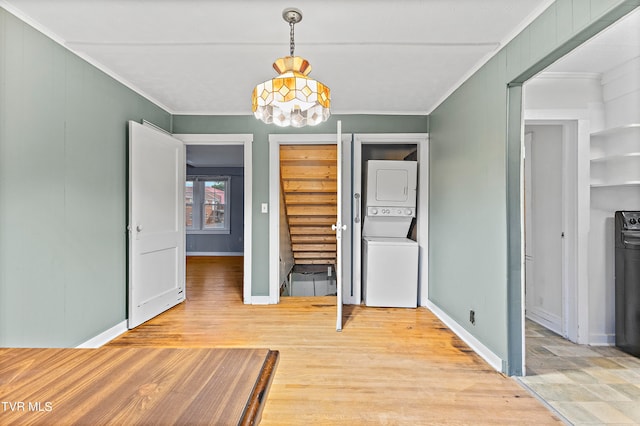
pixel 198 206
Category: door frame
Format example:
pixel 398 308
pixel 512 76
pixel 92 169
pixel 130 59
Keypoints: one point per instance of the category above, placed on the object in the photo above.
pixel 275 140
pixel 246 140
pixel 422 231
pixel 575 221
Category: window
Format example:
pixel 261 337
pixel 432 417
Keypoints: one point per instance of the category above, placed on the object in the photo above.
pixel 214 204
pixel 188 210
pixel 207 204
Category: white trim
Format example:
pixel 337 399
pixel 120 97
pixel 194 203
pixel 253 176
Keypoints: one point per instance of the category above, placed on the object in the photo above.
pixel 356 227
pixel 546 319
pixel 421 140
pixel 602 339
pixel 423 221
pixel 557 75
pixel 215 138
pixel 550 115
pixel 104 337
pixel 215 253
pixel 246 140
pixel 485 353
pixel 334 112
pixel 208 231
pixel 583 204
pixel 570 229
pixel 260 300
pixel 274 222
pixel 275 140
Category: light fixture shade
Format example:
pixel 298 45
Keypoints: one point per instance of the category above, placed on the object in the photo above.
pixel 291 98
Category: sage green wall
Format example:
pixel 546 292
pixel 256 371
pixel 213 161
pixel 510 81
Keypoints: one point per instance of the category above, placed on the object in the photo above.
pixel 260 184
pixel 474 201
pixel 63 191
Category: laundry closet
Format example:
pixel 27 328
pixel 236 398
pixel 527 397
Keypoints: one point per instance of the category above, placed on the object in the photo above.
pixel 389 208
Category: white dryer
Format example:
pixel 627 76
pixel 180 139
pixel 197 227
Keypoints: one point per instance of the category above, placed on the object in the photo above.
pixel 390 198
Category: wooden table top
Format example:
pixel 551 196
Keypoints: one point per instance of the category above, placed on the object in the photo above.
pixel 134 385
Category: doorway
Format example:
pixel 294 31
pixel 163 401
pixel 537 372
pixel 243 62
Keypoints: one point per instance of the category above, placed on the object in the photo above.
pixel 550 287
pixel 306 187
pixel 391 146
pixel 226 146
pixel 308 208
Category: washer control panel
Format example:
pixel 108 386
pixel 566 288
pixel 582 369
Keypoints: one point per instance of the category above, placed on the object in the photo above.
pixel 391 211
pixel 631 220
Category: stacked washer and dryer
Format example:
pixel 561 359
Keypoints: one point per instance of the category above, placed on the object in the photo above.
pixel 389 257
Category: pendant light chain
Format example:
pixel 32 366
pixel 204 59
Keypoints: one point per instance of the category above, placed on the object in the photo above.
pixel 291 39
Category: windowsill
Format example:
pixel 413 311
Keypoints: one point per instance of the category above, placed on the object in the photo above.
pixel 209 232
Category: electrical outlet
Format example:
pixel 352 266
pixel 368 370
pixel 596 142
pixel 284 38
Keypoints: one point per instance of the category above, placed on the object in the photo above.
pixel 265 208
pixel 472 317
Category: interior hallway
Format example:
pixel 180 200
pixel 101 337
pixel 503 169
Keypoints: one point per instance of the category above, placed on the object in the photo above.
pixel 388 366
pixel 588 385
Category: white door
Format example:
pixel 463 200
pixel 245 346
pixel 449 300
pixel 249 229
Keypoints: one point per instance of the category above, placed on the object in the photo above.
pixel 156 222
pixel 544 228
pixel 339 228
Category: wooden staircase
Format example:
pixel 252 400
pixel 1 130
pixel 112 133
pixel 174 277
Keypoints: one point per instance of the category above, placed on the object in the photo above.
pixel 308 175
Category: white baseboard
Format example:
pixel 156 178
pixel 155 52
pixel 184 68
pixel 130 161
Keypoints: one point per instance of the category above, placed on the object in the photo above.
pixel 260 300
pixel 545 319
pixel 104 337
pixel 215 253
pixel 485 353
pixel 602 339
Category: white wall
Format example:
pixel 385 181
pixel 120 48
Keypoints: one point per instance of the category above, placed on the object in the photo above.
pixel 565 91
pixel 606 102
pixel 574 100
pixel 621 96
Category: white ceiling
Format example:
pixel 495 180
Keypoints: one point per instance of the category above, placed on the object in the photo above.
pixel 205 56
pixel 612 47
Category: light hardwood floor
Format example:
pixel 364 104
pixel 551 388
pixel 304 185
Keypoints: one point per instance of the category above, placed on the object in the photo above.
pixel 388 366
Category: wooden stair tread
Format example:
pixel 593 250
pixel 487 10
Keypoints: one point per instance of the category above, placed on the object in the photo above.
pixel 308 179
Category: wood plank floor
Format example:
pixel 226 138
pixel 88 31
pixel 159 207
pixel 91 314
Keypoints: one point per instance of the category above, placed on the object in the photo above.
pixel 388 366
pixel 123 386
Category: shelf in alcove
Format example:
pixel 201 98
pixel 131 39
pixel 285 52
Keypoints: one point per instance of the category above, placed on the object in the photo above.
pixel 615 130
pixel 615 157
pixel 613 184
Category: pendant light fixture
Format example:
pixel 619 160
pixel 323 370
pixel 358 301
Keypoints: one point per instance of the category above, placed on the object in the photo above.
pixel 291 98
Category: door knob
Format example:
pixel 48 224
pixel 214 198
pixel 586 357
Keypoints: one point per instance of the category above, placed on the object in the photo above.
pixel 139 228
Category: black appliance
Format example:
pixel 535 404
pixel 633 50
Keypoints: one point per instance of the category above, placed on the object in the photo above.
pixel 627 281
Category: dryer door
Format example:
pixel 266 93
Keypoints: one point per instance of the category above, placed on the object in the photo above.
pixel 391 183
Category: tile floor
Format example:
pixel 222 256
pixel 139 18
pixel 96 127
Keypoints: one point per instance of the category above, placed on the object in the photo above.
pixel 587 385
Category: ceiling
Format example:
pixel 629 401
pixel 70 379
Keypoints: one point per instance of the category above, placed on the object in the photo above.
pixel 612 47
pixel 205 56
